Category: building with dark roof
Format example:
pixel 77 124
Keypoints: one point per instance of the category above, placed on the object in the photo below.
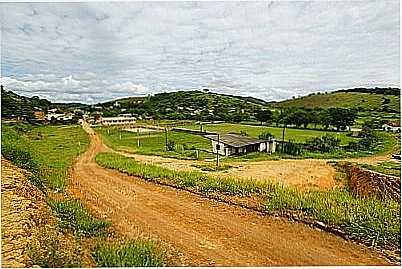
pixel 233 144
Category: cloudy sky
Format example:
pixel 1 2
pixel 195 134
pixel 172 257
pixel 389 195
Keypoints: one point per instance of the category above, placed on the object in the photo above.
pixel 91 52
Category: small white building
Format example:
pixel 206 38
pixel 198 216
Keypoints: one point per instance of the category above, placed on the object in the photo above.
pixel 56 116
pixel 392 129
pixel 233 144
pixel 110 121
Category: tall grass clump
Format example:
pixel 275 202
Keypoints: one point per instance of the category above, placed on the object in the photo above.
pixel 133 253
pixel 374 221
pixel 197 180
pixel 74 216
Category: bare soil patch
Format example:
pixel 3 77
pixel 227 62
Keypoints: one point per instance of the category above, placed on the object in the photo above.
pixel 303 174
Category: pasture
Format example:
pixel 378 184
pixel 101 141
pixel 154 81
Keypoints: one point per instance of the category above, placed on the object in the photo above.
pixel 190 146
pixel 297 135
pixel 185 145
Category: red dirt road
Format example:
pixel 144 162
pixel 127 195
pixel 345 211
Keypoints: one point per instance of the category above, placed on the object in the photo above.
pixel 204 231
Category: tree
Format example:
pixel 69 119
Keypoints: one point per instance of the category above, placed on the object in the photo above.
pixel 324 118
pixel 264 116
pixel 299 117
pixel 265 136
pixel 238 117
pixel 314 117
pixel 341 117
pixel 326 143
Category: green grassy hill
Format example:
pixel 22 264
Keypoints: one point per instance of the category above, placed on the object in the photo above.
pixel 196 105
pixel 376 100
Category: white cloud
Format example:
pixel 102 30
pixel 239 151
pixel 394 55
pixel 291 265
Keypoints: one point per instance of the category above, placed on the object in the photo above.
pixel 94 51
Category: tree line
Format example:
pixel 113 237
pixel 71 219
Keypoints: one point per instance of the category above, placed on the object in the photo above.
pixel 339 118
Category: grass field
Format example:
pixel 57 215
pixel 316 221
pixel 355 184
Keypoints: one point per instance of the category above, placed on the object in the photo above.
pixel 187 144
pixel 155 144
pixel 361 101
pixel 369 220
pixel 297 135
pixel 53 149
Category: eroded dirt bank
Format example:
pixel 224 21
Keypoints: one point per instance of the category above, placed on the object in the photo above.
pixel 205 231
pixel 25 215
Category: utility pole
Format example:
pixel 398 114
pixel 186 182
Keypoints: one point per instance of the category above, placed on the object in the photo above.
pixel 218 147
pixel 166 139
pixel 138 137
pixel 283 135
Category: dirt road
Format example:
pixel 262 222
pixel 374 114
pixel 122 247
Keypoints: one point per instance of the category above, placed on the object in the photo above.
pixel 206 232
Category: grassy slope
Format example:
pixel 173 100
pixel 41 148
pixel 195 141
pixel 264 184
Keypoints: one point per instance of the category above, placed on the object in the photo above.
pixel 53 147
pixel 366 101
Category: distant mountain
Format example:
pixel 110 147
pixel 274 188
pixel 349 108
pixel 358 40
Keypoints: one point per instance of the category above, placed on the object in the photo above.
pixel 198 105
pixel 363 99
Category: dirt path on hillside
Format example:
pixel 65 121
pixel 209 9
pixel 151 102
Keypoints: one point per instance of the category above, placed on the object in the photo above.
pixel 206 232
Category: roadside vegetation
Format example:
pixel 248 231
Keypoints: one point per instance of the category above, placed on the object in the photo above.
pixel 131 253
pixel 369 220
pixel 47 153
pixel 74 217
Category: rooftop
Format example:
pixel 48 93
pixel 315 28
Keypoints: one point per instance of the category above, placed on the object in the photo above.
pixel 234 140
pixel 117 118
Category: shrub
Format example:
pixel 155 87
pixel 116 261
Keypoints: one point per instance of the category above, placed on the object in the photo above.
pixel 265 136
pixel 323 144
pixel 171 146
pixel 292 148
pixel 133 253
